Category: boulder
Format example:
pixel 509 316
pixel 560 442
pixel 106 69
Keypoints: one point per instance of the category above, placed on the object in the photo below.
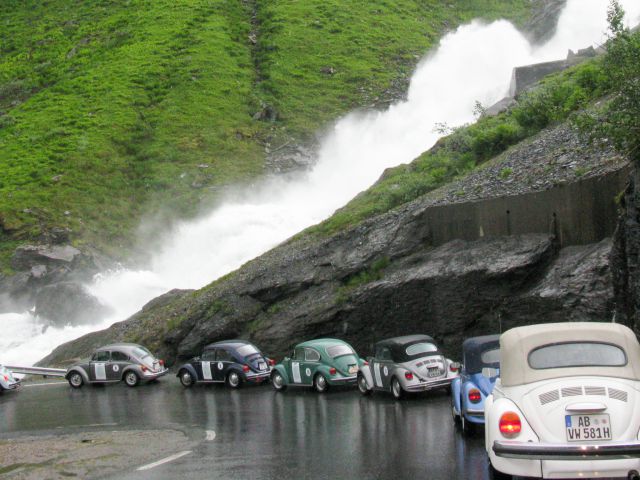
pixel 27 256
pixel 68 303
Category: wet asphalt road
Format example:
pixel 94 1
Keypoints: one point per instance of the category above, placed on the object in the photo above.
pixel 257 433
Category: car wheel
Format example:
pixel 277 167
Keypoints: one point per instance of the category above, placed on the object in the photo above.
pixel 186 379
pixel 131 378
pixel 75 380
pixel 396 388
pixel 362 385
pixel 320 383
pixel 234 380
pixel 278 382
pixel 454 414
pixel 497 475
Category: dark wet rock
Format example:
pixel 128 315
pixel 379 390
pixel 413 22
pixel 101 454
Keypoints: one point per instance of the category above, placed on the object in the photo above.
pixel 544 21
pixel 26 256
pixel 68 303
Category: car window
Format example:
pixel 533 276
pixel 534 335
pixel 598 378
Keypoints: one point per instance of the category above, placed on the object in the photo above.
pixel 383 353
pixel 338 350
pixel 298 354
pixel 310 355
pixel 420 348
pixel 223 356
pixel 100 357
pixel 209 356
pixel 577 354
pixel 247 350
pixel 141 352
pixel 119 357
pixel 490 356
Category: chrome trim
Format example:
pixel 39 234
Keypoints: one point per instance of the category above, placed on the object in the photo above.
pixel 472 411
pixel 152 375
pixel 563 451
pixel 424 386
pixel 343 379
pixel 257 375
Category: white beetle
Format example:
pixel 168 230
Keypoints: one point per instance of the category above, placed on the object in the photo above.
pixel 567 403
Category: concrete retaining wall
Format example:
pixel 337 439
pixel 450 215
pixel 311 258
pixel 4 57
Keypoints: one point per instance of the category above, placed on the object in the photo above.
pixel 579 213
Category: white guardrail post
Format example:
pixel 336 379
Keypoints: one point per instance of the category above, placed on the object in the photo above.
pixel 47 372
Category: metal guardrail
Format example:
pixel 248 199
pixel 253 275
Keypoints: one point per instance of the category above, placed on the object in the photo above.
pixel 47 372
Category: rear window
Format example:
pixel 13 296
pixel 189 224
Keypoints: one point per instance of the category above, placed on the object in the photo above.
pixel 420 348
pixel 141 352
pixel 338 350
pixel 577 354
pixel 247 350
pixel 490 356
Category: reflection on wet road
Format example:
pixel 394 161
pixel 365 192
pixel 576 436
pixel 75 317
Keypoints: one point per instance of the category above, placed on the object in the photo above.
pixel 256 433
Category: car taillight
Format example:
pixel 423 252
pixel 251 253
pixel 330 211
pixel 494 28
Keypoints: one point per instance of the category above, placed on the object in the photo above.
pixel 408 375
pixel 6 378
pixel 332 371
pixel 161 362
pixel 510 425
pixel 245 368
pixel 143 368
pixel 474 395
pixel 365 364
pixel 272 362
pixel 453 368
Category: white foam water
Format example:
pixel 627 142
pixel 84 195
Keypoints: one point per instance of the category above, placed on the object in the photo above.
pixel 474 63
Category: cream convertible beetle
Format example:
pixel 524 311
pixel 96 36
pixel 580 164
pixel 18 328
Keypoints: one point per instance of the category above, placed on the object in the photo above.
pixel 567 403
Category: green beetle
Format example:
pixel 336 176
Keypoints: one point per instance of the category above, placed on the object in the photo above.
pixel 318 363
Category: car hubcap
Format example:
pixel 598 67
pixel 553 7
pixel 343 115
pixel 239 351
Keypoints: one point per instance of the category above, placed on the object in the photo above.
pixel 76 380
pixel 277 381
pixel 234 379
pixel 186 379
pixel 131 378
pixel 362 383
pixel 321 382
pixel 396 388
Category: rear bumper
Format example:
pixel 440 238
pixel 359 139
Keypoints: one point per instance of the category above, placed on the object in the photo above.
pixel 11 386
pixel 429 385
pixel 342 380
pixel 258 377
pixel 563 451
pixel 148 376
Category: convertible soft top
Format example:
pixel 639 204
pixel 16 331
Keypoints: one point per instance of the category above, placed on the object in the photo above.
pixel 472 350
pixel 517 344
pixel 398 346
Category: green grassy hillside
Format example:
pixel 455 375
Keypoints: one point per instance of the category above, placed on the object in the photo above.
pixel 111 109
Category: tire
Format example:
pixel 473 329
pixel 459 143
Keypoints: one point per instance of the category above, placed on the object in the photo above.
pixel 362 386
pixel 131 378
pixel 396 389
pixel 75 380
pixel 186 379
pixel 278 381
pixel 466 427
pixel 234 380
pixel 454 415
pixel 320 383
pixel 496 475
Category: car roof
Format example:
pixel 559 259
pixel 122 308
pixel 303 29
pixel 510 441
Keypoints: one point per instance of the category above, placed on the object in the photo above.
pixel 228 344
pixel 121 346
pixel 474 347
pixel 405 340
pixel 323 343
pixel 516 345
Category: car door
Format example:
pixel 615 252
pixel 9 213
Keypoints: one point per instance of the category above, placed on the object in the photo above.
pixel 310 365
pixel 98 366
pixel 115 367
pixel 224 360
pixel 297 361
pixel 382 368
pixel 207 362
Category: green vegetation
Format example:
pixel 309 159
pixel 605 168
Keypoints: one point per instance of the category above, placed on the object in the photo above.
pixel 558 98
pixel 112 110
pixel 373 273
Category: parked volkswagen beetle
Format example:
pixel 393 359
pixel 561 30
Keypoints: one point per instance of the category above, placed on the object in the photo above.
pixel 319 364
pixel 412 363
pixel 231 361
pixel 7 380
pixel 567 403
pixel 479 371
pixel 126 362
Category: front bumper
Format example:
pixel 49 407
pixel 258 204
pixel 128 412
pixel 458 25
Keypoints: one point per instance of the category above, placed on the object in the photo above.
pixel 429 385
pixel 563 451
pixel 148 375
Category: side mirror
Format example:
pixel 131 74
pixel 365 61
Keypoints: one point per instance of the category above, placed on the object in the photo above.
pixel 489 372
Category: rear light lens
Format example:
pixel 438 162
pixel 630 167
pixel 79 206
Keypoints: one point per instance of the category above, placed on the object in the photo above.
pixel 272 362
pixel 408 375
pixel 245 368
pixel 161 362
pixel 510 425
pixel 332 371
pixel 6 378
pixel 365 364
pixel 143 368
pixel 474 395
pixel 453 368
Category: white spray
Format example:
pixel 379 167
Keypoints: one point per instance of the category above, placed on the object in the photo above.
pixel 472 64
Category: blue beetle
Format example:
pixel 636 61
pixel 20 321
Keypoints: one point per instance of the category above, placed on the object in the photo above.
pixel 480 369
pixel 232 362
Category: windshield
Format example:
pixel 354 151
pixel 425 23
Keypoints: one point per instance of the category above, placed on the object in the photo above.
pixel 577 354
pixel 247 350
pixel 420 348
pixel 490 356
pixel 338 350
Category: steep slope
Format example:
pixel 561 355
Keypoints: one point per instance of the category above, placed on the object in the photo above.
pixel 110 111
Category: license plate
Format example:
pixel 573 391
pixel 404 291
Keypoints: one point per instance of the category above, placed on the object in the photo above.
pixel 433 372
pixel 262 366
pixel 353 369
pixel 588 427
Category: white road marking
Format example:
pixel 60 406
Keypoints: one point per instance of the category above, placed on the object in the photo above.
pixel 164 460
pixel 211 435
pixel 44 384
